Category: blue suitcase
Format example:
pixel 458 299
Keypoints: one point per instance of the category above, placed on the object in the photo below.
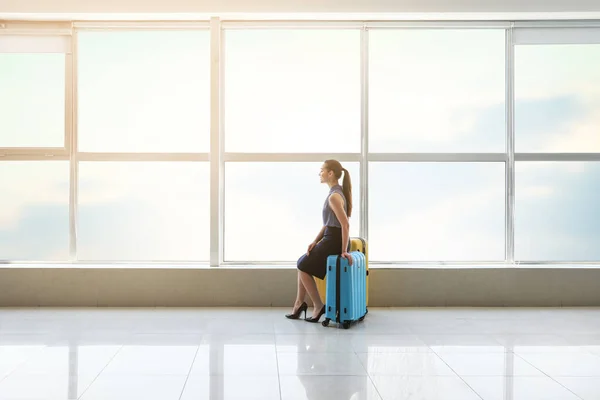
pixel 346 292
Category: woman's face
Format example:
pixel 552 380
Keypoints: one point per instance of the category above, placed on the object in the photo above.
pixel 325 173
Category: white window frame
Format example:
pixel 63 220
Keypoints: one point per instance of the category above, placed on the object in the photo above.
pixel 517 33
pixel 217 232
pixel 45 37
pixel 364 157
pixel 80 156
pixel 538 34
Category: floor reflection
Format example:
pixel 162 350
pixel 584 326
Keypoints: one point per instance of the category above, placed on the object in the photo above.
pixel 180 357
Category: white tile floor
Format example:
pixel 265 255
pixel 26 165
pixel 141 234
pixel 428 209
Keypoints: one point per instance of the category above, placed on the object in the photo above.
pixel 254 353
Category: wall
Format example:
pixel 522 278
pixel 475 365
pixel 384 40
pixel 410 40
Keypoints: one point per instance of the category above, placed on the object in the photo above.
pixel 112 287
pixel 287 6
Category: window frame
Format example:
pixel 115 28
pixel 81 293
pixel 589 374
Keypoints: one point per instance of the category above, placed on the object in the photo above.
pixel 80 156
pixel 508 156
pixel 539 34
pixel 62 153
pixel 217 242
pixel 516 33
pixel 364 157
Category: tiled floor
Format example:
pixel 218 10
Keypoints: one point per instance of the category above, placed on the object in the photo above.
pixel 170 354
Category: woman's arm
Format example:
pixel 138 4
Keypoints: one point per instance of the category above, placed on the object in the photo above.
pixel 320 235
pixel 317 240
pixel 337 205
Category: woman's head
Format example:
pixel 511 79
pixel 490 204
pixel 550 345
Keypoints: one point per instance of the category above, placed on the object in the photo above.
pixel 331 172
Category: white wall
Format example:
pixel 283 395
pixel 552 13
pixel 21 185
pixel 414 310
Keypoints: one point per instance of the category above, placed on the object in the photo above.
pixel 293 6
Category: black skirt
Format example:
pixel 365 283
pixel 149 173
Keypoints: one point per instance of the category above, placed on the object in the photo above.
pixel 315 263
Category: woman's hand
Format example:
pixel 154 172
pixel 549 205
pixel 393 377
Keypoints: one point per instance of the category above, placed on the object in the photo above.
pixel 348 257
pixel 310 247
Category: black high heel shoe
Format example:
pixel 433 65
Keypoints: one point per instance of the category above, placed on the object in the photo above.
pixel 296 315
pixel 314 320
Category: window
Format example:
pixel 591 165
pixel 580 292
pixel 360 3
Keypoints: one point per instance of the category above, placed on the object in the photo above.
pixel 556 211
pixel 437 90
pixel 437 106
pixel 436 211
pixel 138 211
pixel 32 100
pixel 34 216
pixel 557 109
pixel 144 91
pixel 273 210
pixel 292 91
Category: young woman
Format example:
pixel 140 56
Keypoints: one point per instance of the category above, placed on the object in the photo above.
pixel 333 239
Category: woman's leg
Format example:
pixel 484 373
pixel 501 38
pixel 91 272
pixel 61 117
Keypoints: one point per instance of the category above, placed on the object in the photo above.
pixel 300 294
pixel 301 290
pixel 311 287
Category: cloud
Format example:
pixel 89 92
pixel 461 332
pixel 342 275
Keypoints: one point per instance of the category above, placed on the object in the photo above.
pixel 560 226
pixel 265 228
pixel 136 210
pixel 568 124
pixel 553 71
pixel 579 136
pixel 464 226
pixel 41 233
pixel 541 191
pixel 32 184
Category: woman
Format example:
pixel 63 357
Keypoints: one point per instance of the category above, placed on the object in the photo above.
pixel 333 239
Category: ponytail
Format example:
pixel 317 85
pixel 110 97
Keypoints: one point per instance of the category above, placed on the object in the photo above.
pixel 347 190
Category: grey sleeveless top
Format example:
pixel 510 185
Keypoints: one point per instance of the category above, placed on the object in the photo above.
pixel 329 218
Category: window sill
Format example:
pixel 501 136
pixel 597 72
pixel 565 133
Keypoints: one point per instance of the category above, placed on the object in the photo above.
pixel 284 266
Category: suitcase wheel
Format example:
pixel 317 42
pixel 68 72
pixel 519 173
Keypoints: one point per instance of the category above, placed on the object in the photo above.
pixel 346 324
pixel 362 318
pixel 326 322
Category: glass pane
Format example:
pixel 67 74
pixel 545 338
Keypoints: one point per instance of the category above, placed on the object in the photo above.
pixel 144 91
pixel 292 91
pixel 556 211
pixel 436 211
pixel 34 216
pixel 273 210
pixel 557 106
pixel 32 100
pixel 155 211
pixel 436 90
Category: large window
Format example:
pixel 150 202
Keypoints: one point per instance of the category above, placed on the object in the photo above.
pixel 557 140
pixel 143 91
pixel 34 132
pixel 292 91
pixel 440 92
pixel 286 91
pixel 201 142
